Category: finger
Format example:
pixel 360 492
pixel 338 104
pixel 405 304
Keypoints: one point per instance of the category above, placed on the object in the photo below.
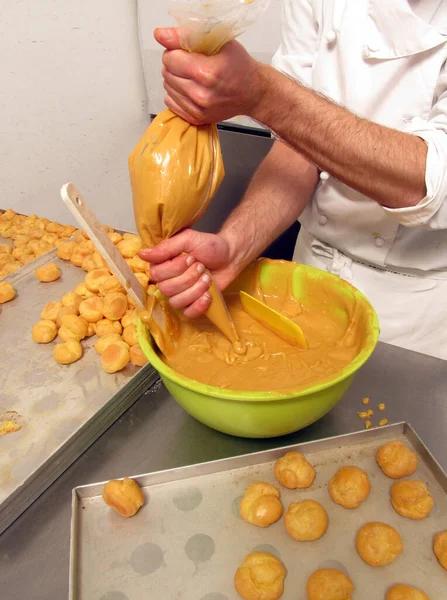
pixel 179 63
pixel 168 37
pixel 170 103
pixel 187 88
pixel 198 307
pixel 185 103
pixel 177 285
pixel 186 298
pixel 171 268
pixel 168 248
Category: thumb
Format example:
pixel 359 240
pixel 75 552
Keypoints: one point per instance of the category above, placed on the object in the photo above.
pixel 167 249
pixel 169 37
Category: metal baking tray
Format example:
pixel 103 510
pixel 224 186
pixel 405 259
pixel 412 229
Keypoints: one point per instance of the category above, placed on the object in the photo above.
pixel 64 409
pixel 188 539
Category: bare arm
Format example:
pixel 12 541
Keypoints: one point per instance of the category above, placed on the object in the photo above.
pixel 384 164
pixel 277 195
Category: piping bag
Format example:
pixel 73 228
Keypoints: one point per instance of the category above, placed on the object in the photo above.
pixel 176 168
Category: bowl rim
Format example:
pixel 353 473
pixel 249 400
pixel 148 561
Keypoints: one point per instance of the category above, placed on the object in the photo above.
pixel 147 345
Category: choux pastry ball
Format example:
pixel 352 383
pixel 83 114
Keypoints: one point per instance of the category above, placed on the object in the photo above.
pixel 81 290
pixel 349 487
pixel 111 284
pixel 261 505
pixel 92 309
pixel 128 247
pixel 260 577
pixel 130 317
pixel 48 273
pixel 5 249
pixel 396 460
pixel 293 471
pixel 95 278
pixel 91 329
pixel 73 328
pixel 12 267
pixel 137 356
pixel 106 326
pixel 329 584
pixel 306 521
pixel 65 310
pixel 65 250
pixel 405 592
pixel 105 341
pixel 44 332
pixel 130 335
pixel 72 300
pixel 115 357
pixel 440 548
pixel 50 311
pixel 68 352
pixel 411 499
pixel 125 496
pixel 115 306
pixel 7 292
pixel 143 279
pixel 378 544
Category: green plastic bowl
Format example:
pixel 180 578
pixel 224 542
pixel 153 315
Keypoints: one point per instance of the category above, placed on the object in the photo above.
pixel 271 413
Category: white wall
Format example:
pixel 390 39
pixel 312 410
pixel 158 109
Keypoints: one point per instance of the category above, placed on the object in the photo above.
pixel 72 104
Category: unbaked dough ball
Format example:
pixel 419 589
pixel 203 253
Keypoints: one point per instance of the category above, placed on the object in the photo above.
pixel 91 309
pixel 293 471
pixel 72 300
pixel 329 584
pixel 44 332
pixel 137 356
pixel 95 278
pixel 7 292
pixel 378 544
pixel 72 328
pixel 105 341
pixel 306 521
pixel 115 357
pixel 405 592
pixel 440 548
pixel 115 305
pixel 65 310
pixel 125 496
pixel 411 499
pixel 105 326
pixel 47 273
pixel 130 335
pixel 68 352
pixel 50 311
pixel 260 577
pixel 396 460
pixel 349 487
pixel 111 284
pixel 261 505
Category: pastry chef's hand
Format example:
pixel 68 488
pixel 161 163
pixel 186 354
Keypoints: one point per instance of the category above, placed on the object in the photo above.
pixel 178 266
pixel 208 89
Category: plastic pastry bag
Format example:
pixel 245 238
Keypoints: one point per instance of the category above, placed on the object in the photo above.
pixel 176 168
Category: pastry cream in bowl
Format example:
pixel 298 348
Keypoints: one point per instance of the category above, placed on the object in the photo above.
pixel 270 388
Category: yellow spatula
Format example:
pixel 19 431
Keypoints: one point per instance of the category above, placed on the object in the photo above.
pixel 273 320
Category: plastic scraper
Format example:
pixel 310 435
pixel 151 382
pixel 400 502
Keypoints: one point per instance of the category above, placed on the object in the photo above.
pixel 273 320
pixel 116 263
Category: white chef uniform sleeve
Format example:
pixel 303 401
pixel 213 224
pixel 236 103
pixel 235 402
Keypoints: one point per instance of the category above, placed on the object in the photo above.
pixel 296 53
pixel 431 211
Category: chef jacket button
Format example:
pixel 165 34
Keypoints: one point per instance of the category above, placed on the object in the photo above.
pixel 331 36
pixel 379 242
pixel 322 220
pixel 324 176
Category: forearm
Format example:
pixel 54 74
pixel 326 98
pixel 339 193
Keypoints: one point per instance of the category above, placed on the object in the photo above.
pixel 276 196
pixel 384 164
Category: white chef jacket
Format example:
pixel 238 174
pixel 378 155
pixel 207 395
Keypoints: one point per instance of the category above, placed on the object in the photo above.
pixel 385 61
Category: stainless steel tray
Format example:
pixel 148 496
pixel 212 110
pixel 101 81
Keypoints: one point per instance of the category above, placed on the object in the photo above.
pixel 188 539
pixel 64 408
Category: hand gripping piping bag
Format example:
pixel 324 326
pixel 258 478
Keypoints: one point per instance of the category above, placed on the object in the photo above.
pixel 176 168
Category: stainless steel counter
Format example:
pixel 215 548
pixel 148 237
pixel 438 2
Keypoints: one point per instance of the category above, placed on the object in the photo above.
pixel 157 434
